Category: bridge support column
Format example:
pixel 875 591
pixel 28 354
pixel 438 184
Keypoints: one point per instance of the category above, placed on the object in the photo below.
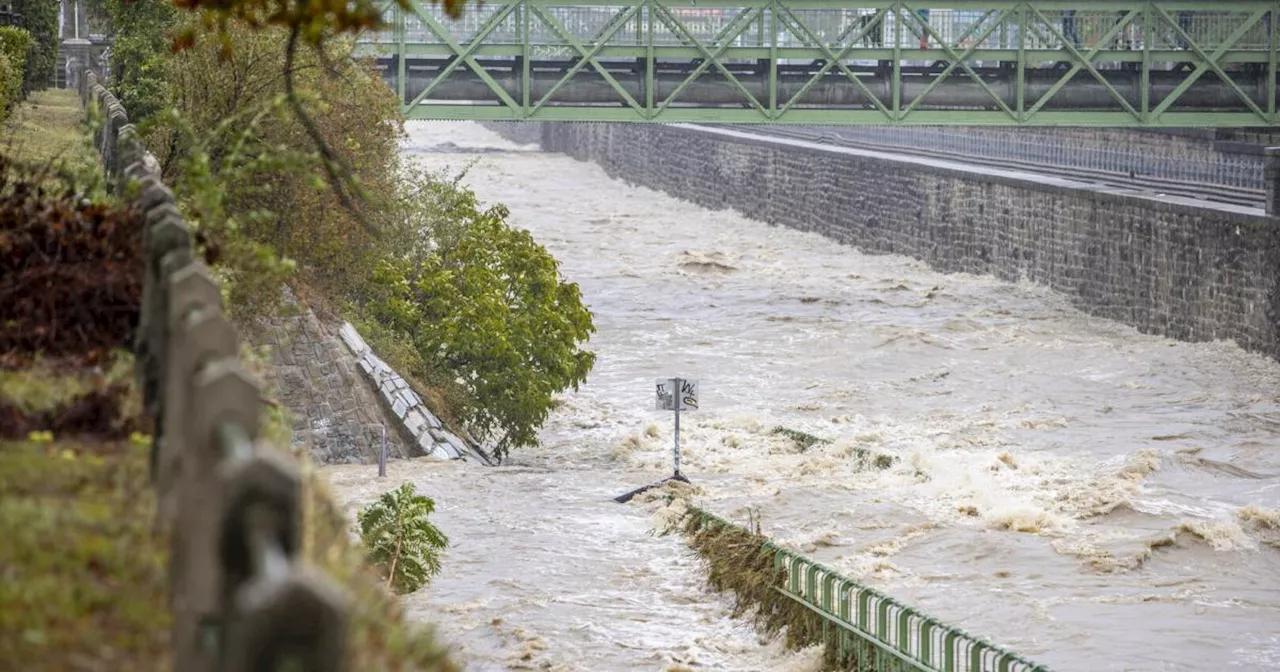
pixel 1272 167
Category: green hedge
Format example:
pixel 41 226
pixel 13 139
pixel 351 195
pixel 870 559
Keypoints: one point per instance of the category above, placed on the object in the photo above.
pixel 40 18
pixel 14 45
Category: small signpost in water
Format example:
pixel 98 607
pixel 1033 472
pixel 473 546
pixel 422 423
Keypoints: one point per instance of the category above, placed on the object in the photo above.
pixel 673 394
pixel 382 455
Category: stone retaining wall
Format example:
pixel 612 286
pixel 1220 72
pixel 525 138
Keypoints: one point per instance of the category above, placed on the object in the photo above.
pixel 1176 269
pixel 426 433
pixel 343 399
pixel 334 411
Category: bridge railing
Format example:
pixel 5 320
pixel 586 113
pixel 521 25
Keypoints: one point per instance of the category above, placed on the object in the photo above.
pixel 870 630
pixel 240 598
pixel 971 62
pixel 1209 28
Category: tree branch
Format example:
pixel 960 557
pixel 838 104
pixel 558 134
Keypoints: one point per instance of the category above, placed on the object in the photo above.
pixel 333 164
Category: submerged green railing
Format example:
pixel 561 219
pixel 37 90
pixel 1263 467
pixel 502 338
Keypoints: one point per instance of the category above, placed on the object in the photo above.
pixel 872 631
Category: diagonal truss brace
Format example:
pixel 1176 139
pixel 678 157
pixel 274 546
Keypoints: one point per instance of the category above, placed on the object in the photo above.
pixel 832 60
pixel 1210 62
pixel 960 60
pixel 740 23
pixel 584 57
pixel 464 55
pixel 1084 61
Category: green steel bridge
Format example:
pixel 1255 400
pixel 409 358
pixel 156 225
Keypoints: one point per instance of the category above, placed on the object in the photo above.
pixel 1172 63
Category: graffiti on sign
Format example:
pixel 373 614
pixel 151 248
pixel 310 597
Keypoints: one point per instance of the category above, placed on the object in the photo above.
pixel 673 390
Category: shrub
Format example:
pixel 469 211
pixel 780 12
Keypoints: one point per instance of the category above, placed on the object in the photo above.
pixel 7 99
pixel 40 19
pixel 248 173
pixel 70 272
pixel 138 54
pixel 14 44
pixel 399 539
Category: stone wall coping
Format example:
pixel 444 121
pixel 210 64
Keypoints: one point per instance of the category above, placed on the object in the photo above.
pixel 1021 179
pixel 416 420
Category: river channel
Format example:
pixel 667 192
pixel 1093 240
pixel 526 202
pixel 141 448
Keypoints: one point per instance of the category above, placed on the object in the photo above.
pixel 1091 497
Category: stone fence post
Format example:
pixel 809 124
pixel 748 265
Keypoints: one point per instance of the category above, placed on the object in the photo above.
pixel 240 596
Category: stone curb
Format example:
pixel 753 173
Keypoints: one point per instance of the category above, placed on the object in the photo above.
pixel 430 438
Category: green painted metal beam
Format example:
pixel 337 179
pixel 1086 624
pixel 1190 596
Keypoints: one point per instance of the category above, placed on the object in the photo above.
pixel 1155 63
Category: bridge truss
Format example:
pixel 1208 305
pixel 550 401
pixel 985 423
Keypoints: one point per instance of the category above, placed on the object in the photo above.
pixel 1173 63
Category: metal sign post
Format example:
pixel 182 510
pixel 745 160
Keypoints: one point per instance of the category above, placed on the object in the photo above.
pixel 382 454
pixel 677 394
pixel 673 394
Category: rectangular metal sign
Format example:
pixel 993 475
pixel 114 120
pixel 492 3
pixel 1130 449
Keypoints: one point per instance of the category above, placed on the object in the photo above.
pixel 673 391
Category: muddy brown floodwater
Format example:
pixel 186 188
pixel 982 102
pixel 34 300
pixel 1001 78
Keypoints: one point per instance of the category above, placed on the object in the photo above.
pixel 1089 496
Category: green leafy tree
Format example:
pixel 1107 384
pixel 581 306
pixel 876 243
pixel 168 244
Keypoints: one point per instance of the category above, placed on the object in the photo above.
pixel 40 19
pixel 486 307
pixel 142 39
pixel 399 539
pixel 246 172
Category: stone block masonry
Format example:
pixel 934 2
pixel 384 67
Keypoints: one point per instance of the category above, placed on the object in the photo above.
pixel 334 411
pixel 343 398
pixel 1166 266
pixel 419 425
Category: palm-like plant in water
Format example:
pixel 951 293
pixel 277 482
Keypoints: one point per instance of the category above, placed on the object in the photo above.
pixel 400 539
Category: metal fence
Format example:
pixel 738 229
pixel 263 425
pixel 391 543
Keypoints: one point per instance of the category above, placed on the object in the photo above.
pixel 1208 168
pixel 980 29
pixel 240 599
pixel 875 632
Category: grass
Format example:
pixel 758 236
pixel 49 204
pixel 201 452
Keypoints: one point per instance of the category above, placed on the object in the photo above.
pixel 740 561
pixel 42 385
pixel 84 577
pixel 83 573
pixel 804 441
pixel 49 129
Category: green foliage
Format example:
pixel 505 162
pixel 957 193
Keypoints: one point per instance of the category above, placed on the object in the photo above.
pixel 138 54
pixel 398 538
pixel 14 45
pixel 84 572
pixel 8 97
pixel 248 173
pixel 40 19
pixel 251 273
pixel 46 134
pixel 486 307
pixel 311 21
pixel 478 308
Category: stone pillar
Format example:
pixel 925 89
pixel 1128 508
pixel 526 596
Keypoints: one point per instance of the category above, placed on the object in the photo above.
pixel 1272 168
pixel 76 53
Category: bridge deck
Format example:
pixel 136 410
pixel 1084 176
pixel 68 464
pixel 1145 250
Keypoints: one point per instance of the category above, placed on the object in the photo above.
pixel 1003 62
